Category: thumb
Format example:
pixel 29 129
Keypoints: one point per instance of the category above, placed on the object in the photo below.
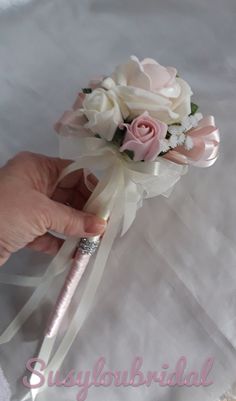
pixel 71 222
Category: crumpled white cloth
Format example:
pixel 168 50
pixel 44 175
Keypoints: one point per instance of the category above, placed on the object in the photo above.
pixel 229 395
pixel 169 286
pixel 5 393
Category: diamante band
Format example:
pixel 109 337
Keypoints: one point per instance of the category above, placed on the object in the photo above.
pixel 87 246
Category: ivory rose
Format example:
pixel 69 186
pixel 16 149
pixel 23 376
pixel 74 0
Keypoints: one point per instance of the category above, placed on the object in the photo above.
pixel 143 137
pixel 97 112
pixel 147 85
pixel 102 110
pixel 72 121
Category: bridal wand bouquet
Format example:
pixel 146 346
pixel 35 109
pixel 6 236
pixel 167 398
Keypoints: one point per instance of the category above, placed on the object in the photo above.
pixel 139 128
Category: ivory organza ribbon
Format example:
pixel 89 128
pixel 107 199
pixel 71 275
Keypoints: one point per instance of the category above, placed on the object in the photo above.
pixel 120 191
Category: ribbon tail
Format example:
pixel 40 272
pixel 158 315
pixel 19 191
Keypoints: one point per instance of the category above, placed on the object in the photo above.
pixel 44 355
pixel 20 281
pixel 60 260
pixel 132 197
pixel 27 281
pixel 129 216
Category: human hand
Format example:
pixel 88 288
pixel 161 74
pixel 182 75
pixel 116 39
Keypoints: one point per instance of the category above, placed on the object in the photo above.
pixel 31 204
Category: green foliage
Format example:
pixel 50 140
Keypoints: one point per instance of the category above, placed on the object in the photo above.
pixel 194 108
pixel 118 141
pixel 118 137
pixel 129 153
pixel 86 90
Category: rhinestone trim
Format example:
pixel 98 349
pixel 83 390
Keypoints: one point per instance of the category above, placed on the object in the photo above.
pixel 87 246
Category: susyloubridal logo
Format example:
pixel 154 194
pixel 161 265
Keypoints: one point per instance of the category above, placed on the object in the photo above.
pixel 134 377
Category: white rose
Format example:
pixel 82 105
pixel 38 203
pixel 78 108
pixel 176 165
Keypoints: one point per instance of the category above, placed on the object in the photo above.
pixel 148 86
pixel 101 107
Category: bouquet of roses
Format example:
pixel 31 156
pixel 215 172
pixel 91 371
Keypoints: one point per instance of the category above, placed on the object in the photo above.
pixel 145 111
pixel 138 127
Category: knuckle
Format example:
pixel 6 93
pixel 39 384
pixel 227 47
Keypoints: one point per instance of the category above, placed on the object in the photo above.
pixel 23 160
pixel 60 218
pixel 70 220
pixel 23 155
pixel 73 224
pixel 4 254
pixel 42 215
pixel 52 169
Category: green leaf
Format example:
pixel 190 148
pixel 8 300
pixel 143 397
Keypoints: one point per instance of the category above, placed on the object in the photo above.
pixel 118 137
pixel 168 135
pixel 128 120
pixel 86 90
pixel 194 108
pixel 129 153
pixel 163 153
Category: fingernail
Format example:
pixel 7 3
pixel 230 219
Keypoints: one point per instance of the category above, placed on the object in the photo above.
pixel 94 225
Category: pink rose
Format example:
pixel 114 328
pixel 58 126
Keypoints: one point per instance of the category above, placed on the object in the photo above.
pixel 143 137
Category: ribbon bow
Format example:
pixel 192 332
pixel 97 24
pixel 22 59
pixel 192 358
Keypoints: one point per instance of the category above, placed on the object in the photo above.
pixel 205 139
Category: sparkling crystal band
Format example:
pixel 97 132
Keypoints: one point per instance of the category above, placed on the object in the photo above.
pixel 88 246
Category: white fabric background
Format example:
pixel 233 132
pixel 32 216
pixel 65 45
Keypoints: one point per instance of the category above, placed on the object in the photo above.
pixel 169 288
